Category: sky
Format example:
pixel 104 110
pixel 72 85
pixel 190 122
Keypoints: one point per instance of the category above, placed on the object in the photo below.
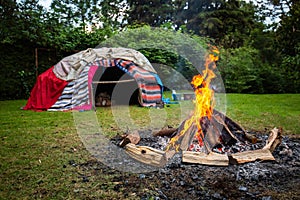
pixel 45 3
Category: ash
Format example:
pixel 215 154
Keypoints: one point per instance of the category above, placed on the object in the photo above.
pixel 242 146
pixel 155 142
pixel 279 179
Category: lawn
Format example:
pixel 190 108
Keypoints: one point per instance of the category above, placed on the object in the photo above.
pixel 260 112
pixel 41 151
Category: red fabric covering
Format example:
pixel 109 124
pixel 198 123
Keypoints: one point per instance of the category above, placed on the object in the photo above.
pixel 46 91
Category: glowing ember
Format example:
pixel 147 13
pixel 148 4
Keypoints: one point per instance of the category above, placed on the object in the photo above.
pixel 204 101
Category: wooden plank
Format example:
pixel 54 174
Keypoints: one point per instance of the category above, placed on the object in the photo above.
pixel 132 137
pixel 147 155
pixel 205 159
pixel 274 139
pixel 250 156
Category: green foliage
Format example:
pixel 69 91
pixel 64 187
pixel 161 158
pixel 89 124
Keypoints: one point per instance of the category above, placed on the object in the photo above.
pixel 291 66
pixel 288 42
pixel 159 38
pixel 25 79
pixel 153 13
pixel 240 70
pixel 288 33
pixel 19 21
pixel 181 51
pixel 263 41
pixel 14 83
pixel 243 72
pixel 175 61
pixel 229 23
pixel 272 79
pixel 27 26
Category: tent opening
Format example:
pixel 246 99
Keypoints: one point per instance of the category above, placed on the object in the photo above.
pixel 113 86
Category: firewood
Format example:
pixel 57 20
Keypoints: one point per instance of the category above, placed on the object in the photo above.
pixel 274 139
pixel 188 137
pixel 221 121
pixel 184 140
pixel 212 134
pixel 169 154
pixel 229 125
pixel 147 155
pixel 133 137
pixel 124 142
pixel 165 132
pixel 206 159
pixel 250 156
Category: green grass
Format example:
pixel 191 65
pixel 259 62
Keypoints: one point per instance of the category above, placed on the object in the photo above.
pixel 36 147
pixel 260 112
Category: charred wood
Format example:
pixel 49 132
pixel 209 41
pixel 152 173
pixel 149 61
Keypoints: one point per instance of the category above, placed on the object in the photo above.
pixel 165 132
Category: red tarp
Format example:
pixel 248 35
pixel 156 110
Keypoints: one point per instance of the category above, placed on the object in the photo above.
pixel 46 91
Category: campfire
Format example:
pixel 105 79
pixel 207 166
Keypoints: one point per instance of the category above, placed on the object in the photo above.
pixel 207 136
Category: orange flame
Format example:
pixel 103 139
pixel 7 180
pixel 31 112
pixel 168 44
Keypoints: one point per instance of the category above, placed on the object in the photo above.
pixel 204 101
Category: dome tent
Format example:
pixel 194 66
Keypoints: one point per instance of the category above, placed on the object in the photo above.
pixel 68 85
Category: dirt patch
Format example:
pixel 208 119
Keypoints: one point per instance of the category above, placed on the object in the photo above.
pixel 278 179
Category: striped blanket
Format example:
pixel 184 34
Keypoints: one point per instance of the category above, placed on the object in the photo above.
pixel 151 91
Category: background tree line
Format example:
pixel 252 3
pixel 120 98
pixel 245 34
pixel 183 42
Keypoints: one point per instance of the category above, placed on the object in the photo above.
pixel 256 57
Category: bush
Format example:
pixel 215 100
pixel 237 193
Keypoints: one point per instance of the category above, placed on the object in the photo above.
pixel 240 69
pixel 291 73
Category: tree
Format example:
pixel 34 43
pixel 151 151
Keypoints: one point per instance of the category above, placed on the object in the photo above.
pixel 153 13
pixel 240 69
pixel 288 42
pixel 182 52
pixel 73 12
pixel 229 23
pixel 21 31
pixel 27 26
pixel 20 20
pixel 87 13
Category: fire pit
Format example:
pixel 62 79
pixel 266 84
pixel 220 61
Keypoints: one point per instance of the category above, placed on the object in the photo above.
pixel 153 151
pixel 207 136
pixel 178 180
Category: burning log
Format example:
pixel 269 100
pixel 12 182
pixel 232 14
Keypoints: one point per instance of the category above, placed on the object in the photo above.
pixel 220 129
pixel 165 132
pixel 231 126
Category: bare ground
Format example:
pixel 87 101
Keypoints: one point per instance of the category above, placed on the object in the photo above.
pixel 267 180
